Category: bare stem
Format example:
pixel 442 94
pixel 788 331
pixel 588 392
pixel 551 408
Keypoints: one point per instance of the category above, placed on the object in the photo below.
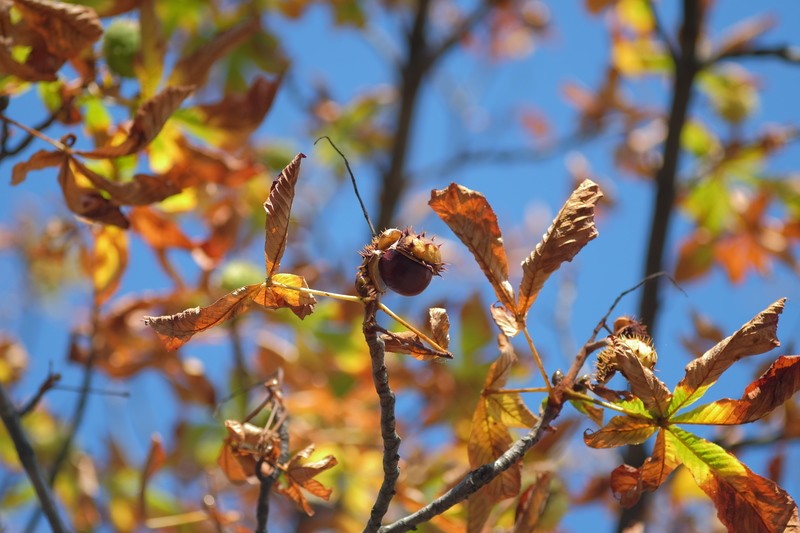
pixel 38 134
pixel 536 358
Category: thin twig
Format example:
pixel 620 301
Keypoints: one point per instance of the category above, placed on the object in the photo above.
pixel 662 32
pixel 789 53
pixel 353 179
pixel 27 457
pixel 28 139
pixel 391 440
pixel 48 384
pixel 266 482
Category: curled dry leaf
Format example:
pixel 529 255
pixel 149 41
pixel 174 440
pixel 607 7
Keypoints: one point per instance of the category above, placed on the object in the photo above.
pixel 410 343
pixel 504 320
pixel 301 475
pixel 143 189
pixel 571 230
pixel 67 29
pixel 149 119
pixel 246 445
pixel 176 330
pixel 757 336
pixel 39 160
pixel 628 483
pixel 278 207
pixel 643 383
pixel 472 219
pixel 85 202
pixel 440 326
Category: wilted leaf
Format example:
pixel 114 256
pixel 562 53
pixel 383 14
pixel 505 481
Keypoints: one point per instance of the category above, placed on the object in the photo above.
pixel 301 303
pixel 628 482
pixel 143 189
pixel 67 29
pixel 571 230
pixel 158 231
pixel 299 476
pixel 85 202
pixel 472 219
pixel 755 337
pixel 744 500
pixel 192 69
pixel 532 503
pixel 440 326
pixel 771 390
pixel 175 330
pixel 619 431
pixel 504 320
pixel 39 160
pixel 410 343
pixel 278 207
pixel 238 115
pixel 149 119
pixel 108 261
pixel 644 384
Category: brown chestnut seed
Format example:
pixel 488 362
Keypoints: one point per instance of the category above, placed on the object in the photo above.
pixel 402 274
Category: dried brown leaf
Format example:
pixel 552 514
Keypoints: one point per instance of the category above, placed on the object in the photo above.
pixel 504 320
pixel 440 326
pixel 472 219
pixel 85 202
pixel 410 343
pixel 156 457
pixel 759 335
pixel 192 69
pixel 39 160
pixel 571 230
pixel 25 71
pixel 149 119
pixel 175 330
pixel 238 115
pixel 157 230
pixel 143 189
pixel 278 207
pixel 67 29
pixel 302 476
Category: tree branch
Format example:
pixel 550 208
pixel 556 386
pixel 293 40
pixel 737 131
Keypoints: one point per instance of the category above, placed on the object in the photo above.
pixel 391 440
pixel 662 33
pixel 27 457
pixel 789 53
pixel 49 383
pixel 265 488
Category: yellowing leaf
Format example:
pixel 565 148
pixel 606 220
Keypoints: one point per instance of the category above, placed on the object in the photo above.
pixel 619 431
pixel 771 390
pixel 278 207
pixel 472 219
pixel 150 118
pixel 143 189
pixel 757 336
pixel 109 259
pixel 175 330
pixel 67 28
pixel 744 500
pixel 571 230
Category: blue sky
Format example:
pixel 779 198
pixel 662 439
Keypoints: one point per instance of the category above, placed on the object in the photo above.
pixel 525 197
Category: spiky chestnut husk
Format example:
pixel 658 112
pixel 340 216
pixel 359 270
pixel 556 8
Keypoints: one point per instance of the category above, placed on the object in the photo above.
pixel 630 335
pixel 403 261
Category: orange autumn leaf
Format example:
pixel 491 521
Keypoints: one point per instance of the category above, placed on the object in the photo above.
pixel 532 503
pixel 571 230
pixel 67 29
pixel 440 326
pixel 278 207
pixel 85 202
pixel 472 219
pixel 410 343
pixel 628 483
pixel 779 383
pixel 39 160
pixel 142 189
pixel 149 119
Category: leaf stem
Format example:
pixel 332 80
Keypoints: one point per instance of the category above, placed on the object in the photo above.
pixel 574 395
pixel 536 358
pixel 408 326
pixel 513 391
pixel 36 133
